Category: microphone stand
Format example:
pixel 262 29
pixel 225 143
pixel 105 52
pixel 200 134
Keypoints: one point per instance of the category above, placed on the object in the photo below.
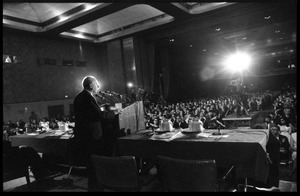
pixel 219 132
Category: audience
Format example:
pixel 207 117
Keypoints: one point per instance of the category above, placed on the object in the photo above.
pixel 282 121
pixel 265 124
pixel 180 123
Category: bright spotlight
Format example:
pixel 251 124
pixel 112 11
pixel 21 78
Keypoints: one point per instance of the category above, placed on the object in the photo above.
pixel 130 84
pixel 238 62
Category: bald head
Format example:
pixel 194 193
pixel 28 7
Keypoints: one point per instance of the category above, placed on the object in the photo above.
pixel 90 83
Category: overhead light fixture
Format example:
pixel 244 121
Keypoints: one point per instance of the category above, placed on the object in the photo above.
pixel 89 6
pixel 218 29
pixel 267 17
pixel 62 18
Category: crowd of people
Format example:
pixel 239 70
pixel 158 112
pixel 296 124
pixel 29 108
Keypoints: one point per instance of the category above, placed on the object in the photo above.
pixel 34 123
pixel 209 111
pixel 281 120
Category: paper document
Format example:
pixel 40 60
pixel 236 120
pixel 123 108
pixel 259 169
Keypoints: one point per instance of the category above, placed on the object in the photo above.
pixel 166 136
pixel 204 134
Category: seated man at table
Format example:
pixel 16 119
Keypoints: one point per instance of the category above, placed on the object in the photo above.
pixel 273 150
pixel 285 152
pixel 180 123
pixel 278 150
pixel 264 125
pixel 20 156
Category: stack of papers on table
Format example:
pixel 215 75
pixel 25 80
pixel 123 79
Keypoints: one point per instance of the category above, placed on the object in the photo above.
pixel 204 134
pixel 58 133
pixel 32 133
pixel 165 136
pixel 222 135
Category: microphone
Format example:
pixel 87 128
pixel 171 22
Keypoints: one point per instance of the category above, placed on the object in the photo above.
pixel 97 95
pixel 113 93
pixel 105 93
pixel 220 124
pixel 214 118
pixel 104 105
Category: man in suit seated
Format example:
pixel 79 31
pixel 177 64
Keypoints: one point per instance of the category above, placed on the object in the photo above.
pixel 278 150
pixel 264 125
pixel 180 123
pixel 17 157
pixel 285 152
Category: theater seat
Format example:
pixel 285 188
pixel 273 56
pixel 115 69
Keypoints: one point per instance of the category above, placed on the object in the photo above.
pixel 180 175
pixel 13 171
pixel 118 173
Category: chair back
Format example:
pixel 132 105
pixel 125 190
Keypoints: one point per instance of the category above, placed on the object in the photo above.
pixel 116 173
pixel 12 171
pixel 180 175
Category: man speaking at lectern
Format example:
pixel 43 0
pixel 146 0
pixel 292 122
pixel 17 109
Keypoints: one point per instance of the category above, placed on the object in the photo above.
pixel 88 119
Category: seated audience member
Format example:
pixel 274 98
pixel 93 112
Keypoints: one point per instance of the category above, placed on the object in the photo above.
pixel 32 126
pixel 252 104
pixel 272 116
pixel 294 145
pixel 289 115
pixel 147 122
pixel 21 126
pixel 180 123
pixel 53 124
pixel 284 128
pixel 294 152
pixel 154 123
pixel 20 156
pixel 273 150
pixel 285 153
pixel 11 129
pixel 33 116
pixel 264 125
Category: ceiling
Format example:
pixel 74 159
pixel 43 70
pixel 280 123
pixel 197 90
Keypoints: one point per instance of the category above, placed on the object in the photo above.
pixel 267 28
pixel 96 22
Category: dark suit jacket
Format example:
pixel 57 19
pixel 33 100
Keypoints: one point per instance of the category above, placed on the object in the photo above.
pixel 285 145
pixel 182 125
pixel 273 149
pixel 88 118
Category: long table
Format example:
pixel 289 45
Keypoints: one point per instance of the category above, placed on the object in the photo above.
pixel 243 148
pixel 240 121
pixel 55 142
